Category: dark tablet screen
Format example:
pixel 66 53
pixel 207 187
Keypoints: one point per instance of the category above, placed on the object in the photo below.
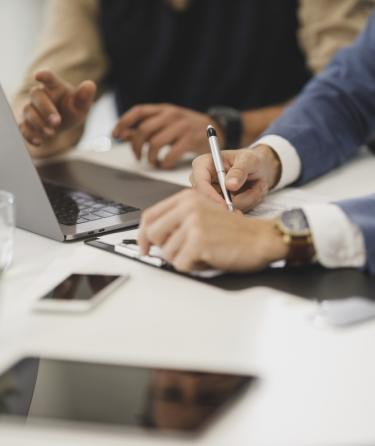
pixel 156 399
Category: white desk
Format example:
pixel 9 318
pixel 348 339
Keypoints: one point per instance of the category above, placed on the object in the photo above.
pixel 316 387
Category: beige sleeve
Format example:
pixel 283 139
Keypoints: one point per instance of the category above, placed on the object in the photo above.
pixel 70 46
pixel 328 25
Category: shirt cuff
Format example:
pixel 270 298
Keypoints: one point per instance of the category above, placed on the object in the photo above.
pixel 338 242
pixel 290 161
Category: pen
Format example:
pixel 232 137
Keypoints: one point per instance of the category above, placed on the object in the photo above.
pixel 219 166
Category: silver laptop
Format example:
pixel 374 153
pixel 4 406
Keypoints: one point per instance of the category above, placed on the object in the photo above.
pixel 71 199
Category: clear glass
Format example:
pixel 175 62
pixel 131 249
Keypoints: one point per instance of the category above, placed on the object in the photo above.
pixel 6 230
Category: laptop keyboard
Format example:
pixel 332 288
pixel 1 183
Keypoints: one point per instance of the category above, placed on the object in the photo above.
pixel 74 207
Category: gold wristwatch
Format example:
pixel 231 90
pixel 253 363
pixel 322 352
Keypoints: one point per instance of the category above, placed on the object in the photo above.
pixel 296 233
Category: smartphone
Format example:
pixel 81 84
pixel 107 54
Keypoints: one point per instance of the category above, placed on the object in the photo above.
pixel 79 293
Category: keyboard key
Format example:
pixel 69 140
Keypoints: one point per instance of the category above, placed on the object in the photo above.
pixel 92 217
pixel 116 210
pixel 103 214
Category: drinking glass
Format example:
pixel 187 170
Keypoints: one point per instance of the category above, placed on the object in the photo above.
pixel 6 230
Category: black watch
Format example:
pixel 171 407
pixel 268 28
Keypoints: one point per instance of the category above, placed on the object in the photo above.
pixel 230 121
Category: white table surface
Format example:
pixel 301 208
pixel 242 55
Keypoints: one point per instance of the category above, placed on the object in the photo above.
pixel 316 386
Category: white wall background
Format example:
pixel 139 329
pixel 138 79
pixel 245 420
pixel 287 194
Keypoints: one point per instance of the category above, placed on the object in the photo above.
pixel 19 24
pixel 20 21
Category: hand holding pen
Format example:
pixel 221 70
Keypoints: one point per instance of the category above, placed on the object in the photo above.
pixel 250 174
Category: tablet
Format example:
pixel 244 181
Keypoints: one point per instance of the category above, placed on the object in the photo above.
pixel 151 399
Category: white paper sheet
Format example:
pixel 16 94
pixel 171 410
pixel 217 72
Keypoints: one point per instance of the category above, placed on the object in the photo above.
pixel 276 203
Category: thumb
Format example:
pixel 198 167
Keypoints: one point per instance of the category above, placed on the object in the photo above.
pixel 84 95
pixel 237 175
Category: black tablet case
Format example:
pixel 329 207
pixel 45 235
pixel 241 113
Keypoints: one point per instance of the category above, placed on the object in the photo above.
pixel 312 282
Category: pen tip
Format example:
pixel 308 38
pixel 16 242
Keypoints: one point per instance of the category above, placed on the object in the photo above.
pixel 211 131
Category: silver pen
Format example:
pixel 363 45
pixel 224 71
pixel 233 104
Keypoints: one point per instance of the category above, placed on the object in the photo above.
pixel 219 166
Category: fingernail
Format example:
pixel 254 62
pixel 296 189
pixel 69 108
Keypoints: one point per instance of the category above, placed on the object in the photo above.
pixel 54 119
pixel 36 141
pixel 232 181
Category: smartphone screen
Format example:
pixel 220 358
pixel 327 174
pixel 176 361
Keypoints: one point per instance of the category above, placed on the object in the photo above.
pixel 162 400
pixel 79 287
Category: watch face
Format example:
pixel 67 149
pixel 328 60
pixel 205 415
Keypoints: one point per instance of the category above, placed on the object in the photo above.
pixel 295 222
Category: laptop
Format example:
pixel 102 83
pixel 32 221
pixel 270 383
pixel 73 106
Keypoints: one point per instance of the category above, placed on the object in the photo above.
pixel 73 199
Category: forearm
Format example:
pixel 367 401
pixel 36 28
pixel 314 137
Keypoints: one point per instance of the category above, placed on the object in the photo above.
pixel 361 212
pixel 255 122
pixel 335 114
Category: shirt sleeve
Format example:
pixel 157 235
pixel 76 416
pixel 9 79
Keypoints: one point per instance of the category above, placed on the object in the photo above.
pixel 338 242
pixel 329 25
pixel 289 159
pixel 70 45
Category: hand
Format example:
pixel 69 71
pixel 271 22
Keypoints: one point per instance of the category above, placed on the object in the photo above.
pixel 193 232
pixel 160 125
pixel 251 173
pixel 54 106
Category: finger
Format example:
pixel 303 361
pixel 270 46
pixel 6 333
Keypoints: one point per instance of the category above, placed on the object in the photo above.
pixel 84 96
pixel 126 135
pixel 56 88
pixel 251 197
pixel 188 256
pixel 153 125
pixel 144 243
pixel 168 136
pixel 203 170
pixel 161 229
pixel 204 178
pixel 137 142
pixel 244 164
pixel 212 192
pixel 33 118
pixel 46 108
pixel 176 152
pixel 30 135
pixel 134 116
pixel 153 213
pixel 172 246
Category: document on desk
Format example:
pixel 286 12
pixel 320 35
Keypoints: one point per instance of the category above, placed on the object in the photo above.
pixel 280 201
pixel 125 243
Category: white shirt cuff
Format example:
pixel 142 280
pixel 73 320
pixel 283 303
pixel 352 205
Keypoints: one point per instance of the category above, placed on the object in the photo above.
pixel 290 161
pixel 338 242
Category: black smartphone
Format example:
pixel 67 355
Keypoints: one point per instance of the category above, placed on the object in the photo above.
pixel 79 293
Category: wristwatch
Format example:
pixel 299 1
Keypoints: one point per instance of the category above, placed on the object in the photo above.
pixel 296 233
pixel 230 121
